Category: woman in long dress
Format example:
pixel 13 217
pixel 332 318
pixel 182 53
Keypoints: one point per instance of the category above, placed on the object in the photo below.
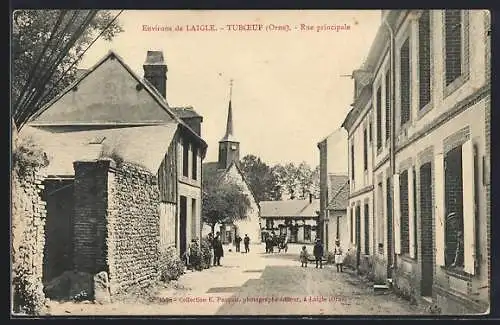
pixel 339 256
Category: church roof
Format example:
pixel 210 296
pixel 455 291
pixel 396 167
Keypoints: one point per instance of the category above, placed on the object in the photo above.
pixel 212 173
pixel 229 135
pixel 289 208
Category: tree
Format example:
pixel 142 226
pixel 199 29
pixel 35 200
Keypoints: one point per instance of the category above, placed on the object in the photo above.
pixel 261 179
pixel 223 202
pixel 46 48
pixel 296 182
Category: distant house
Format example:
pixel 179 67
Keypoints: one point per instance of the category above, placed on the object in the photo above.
pixel 336 225
pixel 296 219
pixel 333 175
pixel 227 169
pixel 124 179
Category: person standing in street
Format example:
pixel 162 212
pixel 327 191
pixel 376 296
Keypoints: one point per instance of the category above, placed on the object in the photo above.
pixel 339 256
pixel 318 253
pixel 246 241
pixel 237 242
pixel 218 250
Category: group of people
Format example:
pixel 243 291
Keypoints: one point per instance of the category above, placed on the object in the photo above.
pixel 272 240
pixel 216 245
pixel 246 243
pixel 318 252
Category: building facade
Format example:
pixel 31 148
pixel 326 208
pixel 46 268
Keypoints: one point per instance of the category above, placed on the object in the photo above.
pixel 428 96
pixel 296 219
pixel 333 174
pixel 120 159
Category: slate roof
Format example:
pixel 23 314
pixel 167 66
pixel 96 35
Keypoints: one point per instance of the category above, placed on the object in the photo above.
pixel 138 145
pixel 290 208
pixel 211 171
pixel 338 192
pixel 162 114
pixel 184 112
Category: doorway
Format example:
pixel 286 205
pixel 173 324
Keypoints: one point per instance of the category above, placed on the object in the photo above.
pixel 58 248
pixel 182 224
pixel 358 236
pixel 427 260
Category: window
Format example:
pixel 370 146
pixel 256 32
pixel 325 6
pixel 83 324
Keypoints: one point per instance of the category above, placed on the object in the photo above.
pixel 185 159
pixel 454 253
pixel 387 105
pixel 365 150
pixel 307 233
pixel 380 218
pixel 453 45
pixel 352 160
pixel 194 221
pixel 338 227
pixel 367 229
pixel 370 131
pixel 195 163
pixel 379 118
pixel 404 212
pixel 404 72
pixel 352 226
pixel 424 57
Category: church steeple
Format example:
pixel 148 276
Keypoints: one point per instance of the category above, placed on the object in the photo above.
pixel 229 147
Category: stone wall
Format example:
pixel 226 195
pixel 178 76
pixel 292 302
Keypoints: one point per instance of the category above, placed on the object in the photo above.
pixel 133 228
pixel 117 223
pixel 28 222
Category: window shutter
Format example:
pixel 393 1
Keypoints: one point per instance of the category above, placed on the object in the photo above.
pixel 411 213
pixel 439 208
pixel 397 215
pixel 469 216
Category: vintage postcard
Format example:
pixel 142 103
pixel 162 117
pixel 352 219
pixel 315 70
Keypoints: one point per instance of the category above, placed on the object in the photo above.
pixel 291 162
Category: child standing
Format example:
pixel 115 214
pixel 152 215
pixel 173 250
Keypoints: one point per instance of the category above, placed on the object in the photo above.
pixel 339 257
pixel 303 256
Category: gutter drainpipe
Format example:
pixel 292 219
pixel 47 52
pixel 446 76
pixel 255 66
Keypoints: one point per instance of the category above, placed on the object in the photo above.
pixel 392 139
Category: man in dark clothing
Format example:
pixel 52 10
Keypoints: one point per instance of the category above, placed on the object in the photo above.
pixel 218 250
pixel 246 241
pixel 318 253
pixel 237 242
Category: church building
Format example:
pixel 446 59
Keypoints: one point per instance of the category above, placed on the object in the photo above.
pixel 227 169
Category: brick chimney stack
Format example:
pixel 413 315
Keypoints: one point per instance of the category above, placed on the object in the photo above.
pixel 155 71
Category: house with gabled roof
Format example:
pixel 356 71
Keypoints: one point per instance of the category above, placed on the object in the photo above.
pixel 296 219
pixel 124 180
pixel 227 169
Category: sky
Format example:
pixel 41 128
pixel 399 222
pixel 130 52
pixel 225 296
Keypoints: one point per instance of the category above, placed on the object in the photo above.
pixel 290 88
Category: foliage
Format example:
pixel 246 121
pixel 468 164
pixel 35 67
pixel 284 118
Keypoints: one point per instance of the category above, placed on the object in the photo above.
pixel 31 32
pixel 206 251
pixel 195 257
pixel 27 157
pixel 261 179
pixel 274 183
pixel 171 266
pixel 28 292
pixel 224 202
pixel 297 181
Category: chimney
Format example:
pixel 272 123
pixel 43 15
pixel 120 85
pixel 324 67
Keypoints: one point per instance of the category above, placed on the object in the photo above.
pixel 310 198
pixel 190 117
pixel 155 71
